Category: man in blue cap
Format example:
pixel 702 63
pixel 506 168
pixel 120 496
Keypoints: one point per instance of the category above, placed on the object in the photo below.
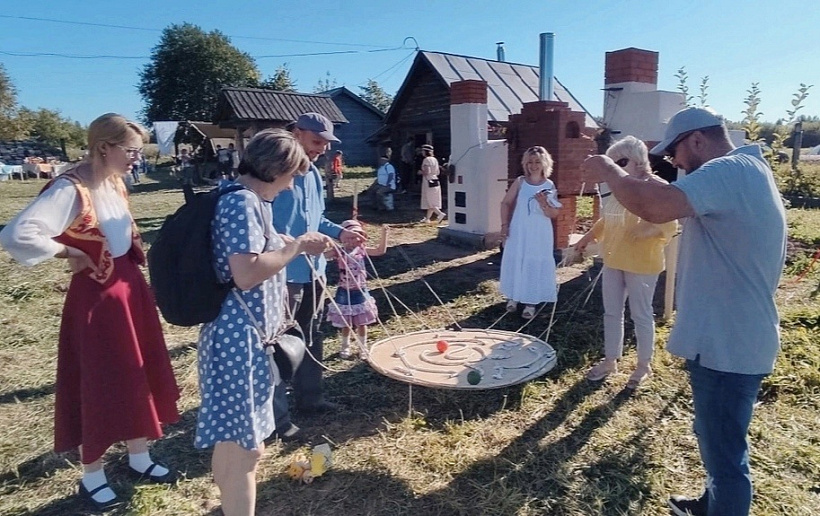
pixel 732 251
pixel 295 212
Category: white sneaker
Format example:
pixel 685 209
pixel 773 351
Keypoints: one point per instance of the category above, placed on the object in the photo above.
pixel 601 370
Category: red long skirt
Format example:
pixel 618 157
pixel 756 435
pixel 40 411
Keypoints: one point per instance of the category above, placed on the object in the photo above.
pixel 114 376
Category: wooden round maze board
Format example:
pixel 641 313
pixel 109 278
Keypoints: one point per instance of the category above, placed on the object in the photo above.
pixel 464 359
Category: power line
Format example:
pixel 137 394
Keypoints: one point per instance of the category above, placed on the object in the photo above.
pixel 67 56
pixel 148 29
pixel 104 56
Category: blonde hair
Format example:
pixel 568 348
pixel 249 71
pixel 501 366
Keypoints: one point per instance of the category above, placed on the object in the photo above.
pixel 113 129
pixel 272 153
pixel 632 149
pixel 543 155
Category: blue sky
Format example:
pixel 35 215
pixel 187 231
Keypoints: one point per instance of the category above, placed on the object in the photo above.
pixel 734 46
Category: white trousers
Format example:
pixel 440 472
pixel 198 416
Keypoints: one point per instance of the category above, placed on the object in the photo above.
pixel 618 286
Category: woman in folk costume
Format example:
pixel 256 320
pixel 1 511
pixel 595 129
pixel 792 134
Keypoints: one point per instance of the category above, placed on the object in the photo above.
pixel 114 376
pixel 527 210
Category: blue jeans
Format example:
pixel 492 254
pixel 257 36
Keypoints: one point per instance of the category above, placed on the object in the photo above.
pixel 723 410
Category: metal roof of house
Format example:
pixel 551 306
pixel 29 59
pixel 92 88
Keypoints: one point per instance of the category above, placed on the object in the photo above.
pixel 509 85
pixel 251 104
pixel 344 91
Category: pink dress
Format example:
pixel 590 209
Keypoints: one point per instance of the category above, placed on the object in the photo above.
pixel 353 305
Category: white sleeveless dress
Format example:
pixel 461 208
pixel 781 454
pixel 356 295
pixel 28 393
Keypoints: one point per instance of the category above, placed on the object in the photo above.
pixel 528 266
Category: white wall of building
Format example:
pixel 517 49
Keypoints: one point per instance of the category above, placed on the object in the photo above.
pixel 481 172
pixel 639 109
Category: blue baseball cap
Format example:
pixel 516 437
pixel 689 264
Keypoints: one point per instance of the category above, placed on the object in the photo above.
pixel 318 124
pixel 685 121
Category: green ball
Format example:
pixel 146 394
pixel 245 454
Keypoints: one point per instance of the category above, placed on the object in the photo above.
pixel 473 377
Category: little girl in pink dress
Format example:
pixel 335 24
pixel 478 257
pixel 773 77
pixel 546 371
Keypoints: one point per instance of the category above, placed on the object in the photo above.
pixel 353 306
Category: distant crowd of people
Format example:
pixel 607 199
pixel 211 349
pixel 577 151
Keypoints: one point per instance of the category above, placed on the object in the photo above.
pixel 272 240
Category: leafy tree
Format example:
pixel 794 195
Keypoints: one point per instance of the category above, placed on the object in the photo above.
pixel 325 84
pixel 374 94
pixel 683 87
pixel 783 127
pixel 9 127
pixel 280 80
pixel 8 93
pixel 188 68
pixel 49 126
pixel 704 85
pixel 683 77
pixel 751 119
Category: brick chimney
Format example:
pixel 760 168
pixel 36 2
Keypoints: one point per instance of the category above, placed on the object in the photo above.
pixel 631 65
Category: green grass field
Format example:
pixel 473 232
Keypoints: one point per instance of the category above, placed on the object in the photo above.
pixel 558 445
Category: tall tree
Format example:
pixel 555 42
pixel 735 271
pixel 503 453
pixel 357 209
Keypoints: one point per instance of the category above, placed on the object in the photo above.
pixel 325 84
pixel 9 128
pixel 50 126
pixel 280 80
pixel 187 69
pixel 374 94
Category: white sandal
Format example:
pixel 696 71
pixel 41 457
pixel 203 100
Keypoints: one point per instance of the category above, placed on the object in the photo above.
pixel 512 305
pixel 529 312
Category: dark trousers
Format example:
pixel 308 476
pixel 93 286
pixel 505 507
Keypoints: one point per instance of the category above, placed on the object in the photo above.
pixel 407 175
pixel 307 381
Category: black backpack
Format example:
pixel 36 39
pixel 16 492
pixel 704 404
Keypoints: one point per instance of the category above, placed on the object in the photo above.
pixel 180 262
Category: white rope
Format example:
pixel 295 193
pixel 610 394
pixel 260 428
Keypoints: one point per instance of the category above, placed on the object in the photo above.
pixel 361 288
pixel 413 269
pixel 505 314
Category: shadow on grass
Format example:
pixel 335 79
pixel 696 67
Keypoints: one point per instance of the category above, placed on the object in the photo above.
pixel 524 462
pixel 175 449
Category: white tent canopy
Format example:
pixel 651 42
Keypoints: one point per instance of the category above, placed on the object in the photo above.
pixel 165 132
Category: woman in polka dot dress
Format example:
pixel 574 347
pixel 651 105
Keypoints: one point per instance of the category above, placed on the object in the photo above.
pixel 235 380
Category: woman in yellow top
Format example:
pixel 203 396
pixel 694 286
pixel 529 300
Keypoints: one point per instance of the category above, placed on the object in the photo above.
pixel 632 251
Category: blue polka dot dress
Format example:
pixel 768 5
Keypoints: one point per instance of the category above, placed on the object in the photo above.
pixel 235 382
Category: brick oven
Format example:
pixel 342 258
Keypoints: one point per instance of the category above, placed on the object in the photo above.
pixel 554 126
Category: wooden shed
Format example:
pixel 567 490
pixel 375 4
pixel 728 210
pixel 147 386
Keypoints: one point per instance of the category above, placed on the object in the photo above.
pixel 421 108
pixel 364 118
pixel 249 110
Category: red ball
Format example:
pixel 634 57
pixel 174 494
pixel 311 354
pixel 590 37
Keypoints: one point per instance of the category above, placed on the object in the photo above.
pixel 442 346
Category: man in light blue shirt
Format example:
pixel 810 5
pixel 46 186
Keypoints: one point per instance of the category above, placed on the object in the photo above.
pixel 732 251
pixel 295 212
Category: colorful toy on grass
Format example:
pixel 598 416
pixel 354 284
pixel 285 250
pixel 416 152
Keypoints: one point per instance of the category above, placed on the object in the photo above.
pixel 305 471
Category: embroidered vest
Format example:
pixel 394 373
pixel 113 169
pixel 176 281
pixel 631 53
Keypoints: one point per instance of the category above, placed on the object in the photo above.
pixel 84 231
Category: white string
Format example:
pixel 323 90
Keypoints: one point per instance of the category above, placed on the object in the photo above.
pixel 417 276
pixel 361 288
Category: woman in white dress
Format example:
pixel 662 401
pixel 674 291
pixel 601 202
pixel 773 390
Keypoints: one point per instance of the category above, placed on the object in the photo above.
pixel 527 210
pixel 430 185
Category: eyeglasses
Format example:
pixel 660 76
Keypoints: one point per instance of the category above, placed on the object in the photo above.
pixel 131 152
pixel 674 145
pixel 622 162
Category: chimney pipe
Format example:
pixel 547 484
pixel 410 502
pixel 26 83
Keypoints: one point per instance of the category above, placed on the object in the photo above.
pixel 545 90
pixel 500 51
